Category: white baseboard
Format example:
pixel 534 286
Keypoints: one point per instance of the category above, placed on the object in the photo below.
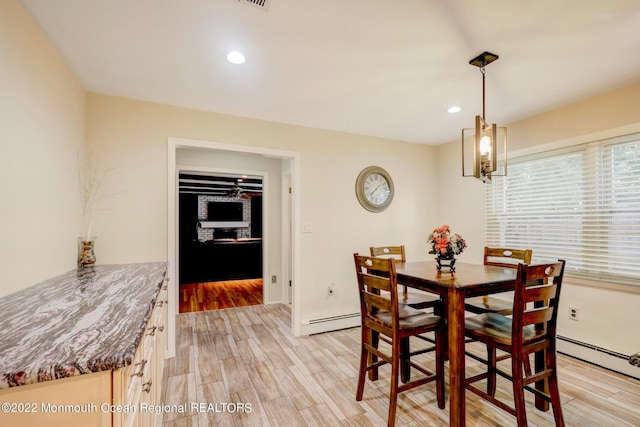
pixel 328 324
pixel 598 356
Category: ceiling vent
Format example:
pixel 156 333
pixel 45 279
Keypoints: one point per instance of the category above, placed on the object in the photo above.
pixel 259 4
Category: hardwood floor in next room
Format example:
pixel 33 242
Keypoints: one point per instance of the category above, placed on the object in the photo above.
pixel 218 295
pixel 248 355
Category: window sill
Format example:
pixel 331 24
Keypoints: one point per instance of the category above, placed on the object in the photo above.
pixel 615 284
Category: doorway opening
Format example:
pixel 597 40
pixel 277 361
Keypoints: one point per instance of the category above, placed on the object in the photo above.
pixel 219 240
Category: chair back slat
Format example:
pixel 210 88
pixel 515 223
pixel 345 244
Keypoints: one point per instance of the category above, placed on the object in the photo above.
pixel 368 263
pixel 372 281
pixel 380 302
pixel 539 292
pixel 537 316
pixel 395 252
pixel 506 257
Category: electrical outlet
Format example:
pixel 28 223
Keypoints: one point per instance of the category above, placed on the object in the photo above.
pixel 274 279
pixel 574 313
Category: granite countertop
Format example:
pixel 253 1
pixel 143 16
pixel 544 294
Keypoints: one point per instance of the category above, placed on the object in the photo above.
pixel 82 321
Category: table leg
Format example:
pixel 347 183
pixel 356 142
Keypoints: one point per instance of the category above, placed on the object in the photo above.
pixel 543 385
pixel 540 365
pixel 405 368
pixel 455 325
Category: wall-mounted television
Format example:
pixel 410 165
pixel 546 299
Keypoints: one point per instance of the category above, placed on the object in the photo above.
pixel 224 211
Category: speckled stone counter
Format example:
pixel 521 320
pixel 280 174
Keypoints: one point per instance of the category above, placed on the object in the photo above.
pixel 80 322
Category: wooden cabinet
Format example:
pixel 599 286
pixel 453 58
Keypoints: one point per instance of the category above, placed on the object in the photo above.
pixel 120 398
pixel 71 401
pixel 138 385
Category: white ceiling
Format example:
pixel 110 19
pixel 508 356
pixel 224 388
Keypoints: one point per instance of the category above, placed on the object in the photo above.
pixel 387 68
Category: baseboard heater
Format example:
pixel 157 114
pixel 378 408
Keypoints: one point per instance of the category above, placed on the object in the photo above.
pixel 594 347
pixel 598 356
pixel 330 319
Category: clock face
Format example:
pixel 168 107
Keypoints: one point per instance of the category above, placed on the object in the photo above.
pixel 374 189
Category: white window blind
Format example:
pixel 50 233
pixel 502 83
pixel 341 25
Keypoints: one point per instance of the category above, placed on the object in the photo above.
pixel 580 204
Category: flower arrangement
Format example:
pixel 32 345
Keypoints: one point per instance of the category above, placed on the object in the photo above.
pixel 445 244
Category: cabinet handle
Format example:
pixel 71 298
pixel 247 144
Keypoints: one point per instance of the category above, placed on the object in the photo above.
pixel 146 387
pixel 152 331
pixel 140 371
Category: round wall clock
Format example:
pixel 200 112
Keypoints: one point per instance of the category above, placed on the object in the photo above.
pixel 374 189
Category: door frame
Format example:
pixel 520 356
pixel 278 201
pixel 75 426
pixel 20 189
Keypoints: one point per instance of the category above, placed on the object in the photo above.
pixel 290 245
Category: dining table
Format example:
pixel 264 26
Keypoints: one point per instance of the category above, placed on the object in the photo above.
pixel 468 280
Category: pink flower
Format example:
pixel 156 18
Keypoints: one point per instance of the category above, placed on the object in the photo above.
pixel 442 230
pixel 441 244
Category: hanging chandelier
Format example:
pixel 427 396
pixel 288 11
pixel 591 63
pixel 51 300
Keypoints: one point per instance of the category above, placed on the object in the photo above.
pixel 484 138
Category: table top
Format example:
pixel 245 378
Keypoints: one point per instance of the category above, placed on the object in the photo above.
pixel 470 278
pixel 83 321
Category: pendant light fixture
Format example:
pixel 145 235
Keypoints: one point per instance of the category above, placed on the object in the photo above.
pixel 485 137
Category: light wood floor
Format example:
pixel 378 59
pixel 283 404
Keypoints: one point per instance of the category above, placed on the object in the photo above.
pixel 248 355
pixel 217 295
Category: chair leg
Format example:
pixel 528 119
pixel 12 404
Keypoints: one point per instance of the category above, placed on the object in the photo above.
pixel 491 370
pixel 440 357
pixel 395 376
pixel 554 392
pixel 375 341
pixel 364 357
pixel 405 368
pixel 518 390
pixel 555 400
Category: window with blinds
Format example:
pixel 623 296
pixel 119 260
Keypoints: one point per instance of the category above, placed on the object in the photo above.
pixel 580 204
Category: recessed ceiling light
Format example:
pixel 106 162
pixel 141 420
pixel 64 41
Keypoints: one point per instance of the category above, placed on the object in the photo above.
pixel 454 109
pixel 235 57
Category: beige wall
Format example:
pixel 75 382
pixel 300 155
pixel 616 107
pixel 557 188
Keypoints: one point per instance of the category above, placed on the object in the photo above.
pixel 608 317
pixel 42 122
pixel 131 137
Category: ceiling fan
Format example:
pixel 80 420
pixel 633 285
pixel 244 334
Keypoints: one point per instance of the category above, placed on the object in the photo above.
pixel 237 192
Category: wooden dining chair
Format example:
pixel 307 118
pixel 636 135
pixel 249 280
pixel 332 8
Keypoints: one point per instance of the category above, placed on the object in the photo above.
pixel 499 257
pixel 383 318
pixel 418 299
pixel 506 258
pixel 532 328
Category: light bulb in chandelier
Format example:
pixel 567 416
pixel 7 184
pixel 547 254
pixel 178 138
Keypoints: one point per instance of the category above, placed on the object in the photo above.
pixel 485 145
